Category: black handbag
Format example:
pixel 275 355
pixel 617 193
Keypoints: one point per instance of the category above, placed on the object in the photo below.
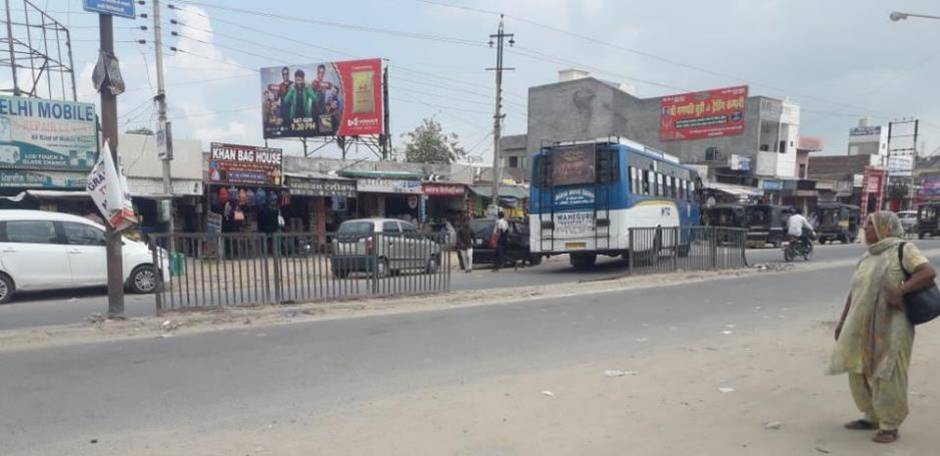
pixel 923 305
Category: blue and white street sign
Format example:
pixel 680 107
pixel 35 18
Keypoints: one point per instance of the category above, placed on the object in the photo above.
pixel 123 8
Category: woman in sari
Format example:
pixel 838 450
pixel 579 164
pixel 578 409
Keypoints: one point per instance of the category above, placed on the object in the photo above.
pixel 874 337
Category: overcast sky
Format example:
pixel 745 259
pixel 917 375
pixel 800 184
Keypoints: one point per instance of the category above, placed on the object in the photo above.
pixel 838 60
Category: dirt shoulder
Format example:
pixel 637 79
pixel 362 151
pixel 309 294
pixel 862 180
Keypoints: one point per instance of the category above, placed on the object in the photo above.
pixel 758 391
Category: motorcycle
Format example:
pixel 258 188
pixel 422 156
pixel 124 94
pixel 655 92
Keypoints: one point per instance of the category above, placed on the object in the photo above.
pixel 795 248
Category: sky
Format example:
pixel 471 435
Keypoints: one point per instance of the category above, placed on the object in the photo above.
pixel 839 60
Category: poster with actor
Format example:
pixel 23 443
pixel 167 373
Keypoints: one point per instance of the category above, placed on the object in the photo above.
pixel 322 99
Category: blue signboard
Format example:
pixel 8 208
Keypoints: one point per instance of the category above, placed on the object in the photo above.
pixel 123 8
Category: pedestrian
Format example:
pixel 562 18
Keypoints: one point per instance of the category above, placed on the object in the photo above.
pixel 465 246
pixel 874 337
pixel 501 232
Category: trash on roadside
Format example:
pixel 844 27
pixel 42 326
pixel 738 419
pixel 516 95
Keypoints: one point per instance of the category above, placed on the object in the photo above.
pixel 773 425
pixel 548 393
pixel 170 325
pixel 618 373
pixel 725 389
pixel 727 332
pixel 96 317
pixel 822 450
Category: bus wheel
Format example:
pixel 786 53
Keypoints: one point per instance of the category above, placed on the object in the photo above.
pixel 583 260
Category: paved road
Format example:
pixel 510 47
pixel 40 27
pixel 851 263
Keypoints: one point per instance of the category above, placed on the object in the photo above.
pixel 70 307
pixel 56 400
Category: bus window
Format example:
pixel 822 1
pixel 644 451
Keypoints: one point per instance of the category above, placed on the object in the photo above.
pixel 681 191
pixel 646 181
pixel 633 184
pixel 659 185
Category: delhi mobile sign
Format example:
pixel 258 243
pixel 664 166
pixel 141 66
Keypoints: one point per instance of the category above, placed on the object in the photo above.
pixel 706 114
pixel 323 99
pixel 47 135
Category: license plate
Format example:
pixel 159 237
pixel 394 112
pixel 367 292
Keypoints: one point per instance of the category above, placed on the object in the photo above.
pixel 575 245
pixel 479 241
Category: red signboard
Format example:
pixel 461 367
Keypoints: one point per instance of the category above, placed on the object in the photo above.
pixel 323 99
pixel 244 165
pixel 707 114
pixel 873 190
pixel 443 189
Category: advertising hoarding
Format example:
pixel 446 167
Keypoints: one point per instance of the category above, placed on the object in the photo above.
pixel 865 131
pixel 47 135
pixel 929 187
pixel 123 8
pixel 901 165
pixel 706 114
pixel 244 165
pixel 323 99
pixel 573 165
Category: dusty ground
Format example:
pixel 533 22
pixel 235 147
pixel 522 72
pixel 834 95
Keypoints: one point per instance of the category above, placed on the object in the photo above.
pixel 669 402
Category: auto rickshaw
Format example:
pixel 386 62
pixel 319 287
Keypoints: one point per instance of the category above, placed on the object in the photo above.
pixel 766 224
pixel 837 222
pixel 725 216
pixel 928 222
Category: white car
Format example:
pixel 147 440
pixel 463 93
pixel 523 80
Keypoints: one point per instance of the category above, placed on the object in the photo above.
pixel 42 250
pixel 908 220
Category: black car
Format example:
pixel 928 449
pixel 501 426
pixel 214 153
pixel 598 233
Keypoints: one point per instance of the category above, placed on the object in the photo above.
pixel 517 248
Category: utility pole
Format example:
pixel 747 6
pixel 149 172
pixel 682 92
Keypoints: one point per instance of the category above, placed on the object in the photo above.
pixel 109 129
pixel 498 116
pixel 166 150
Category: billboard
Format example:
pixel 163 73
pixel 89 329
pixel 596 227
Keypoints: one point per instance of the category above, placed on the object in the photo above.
pixel 900 165
pixel 706 114
pixel 323 99
pixel 929 187
pixel 47 135
pixel 233 164
pixel 865 131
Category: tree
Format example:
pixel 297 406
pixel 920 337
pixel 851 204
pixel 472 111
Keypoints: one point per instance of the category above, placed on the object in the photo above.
pixel 429 144
pixel 140 131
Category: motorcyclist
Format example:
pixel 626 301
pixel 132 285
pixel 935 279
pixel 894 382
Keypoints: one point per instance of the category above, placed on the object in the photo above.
pixel 798 228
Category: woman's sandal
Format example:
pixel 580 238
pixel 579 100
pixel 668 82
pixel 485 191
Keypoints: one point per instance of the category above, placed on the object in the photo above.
pixel 861 425
pixel 886 436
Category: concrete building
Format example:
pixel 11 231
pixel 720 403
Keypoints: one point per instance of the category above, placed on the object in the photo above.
pixel 870 140
pixel 580 107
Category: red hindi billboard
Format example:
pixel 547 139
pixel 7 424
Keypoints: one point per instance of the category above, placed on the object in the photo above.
pixel 706 114
pixel 323 99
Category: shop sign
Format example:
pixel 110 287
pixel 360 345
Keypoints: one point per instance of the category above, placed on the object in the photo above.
pixel 244 165
pixel 930 187
pixel 772 185
pixel 321 187
pixel 443 189
pixel 37 134
pixel 388 186
pixel 865 131
pixel 40 179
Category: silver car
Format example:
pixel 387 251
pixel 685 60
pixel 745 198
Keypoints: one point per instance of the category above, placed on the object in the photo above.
pixel 383 247
pixel 908 220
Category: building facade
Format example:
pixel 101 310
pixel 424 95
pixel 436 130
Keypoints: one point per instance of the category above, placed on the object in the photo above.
pixel 587 108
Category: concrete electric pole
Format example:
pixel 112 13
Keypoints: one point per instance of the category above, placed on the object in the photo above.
pixel 109 130
pixel 498 116
pixel 164 136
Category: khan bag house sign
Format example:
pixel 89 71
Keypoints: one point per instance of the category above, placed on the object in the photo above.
pixel 46 135
pixel 245 165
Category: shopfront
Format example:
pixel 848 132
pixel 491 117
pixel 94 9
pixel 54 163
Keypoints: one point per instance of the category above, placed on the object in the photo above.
pixel 444 201
pixel 388 194
pixel 37 154
pixel 319 203
pixel 244 188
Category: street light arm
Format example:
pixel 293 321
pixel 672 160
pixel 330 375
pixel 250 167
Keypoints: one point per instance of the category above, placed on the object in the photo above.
pixel 899 16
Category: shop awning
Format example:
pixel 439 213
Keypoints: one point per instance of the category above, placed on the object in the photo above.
pixel 405 175
pixel 505 191
pixel 49 194
pixel 739 191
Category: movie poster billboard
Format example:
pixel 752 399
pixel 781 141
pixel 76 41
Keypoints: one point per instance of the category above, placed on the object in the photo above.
pixel 706 114
pixel 47 135
pixel 323 99
pixel 234 164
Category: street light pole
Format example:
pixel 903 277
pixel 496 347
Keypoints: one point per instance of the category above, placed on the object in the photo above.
pixel 899 16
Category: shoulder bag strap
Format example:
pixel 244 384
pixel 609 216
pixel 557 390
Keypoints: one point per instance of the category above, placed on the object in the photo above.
pixel 907 275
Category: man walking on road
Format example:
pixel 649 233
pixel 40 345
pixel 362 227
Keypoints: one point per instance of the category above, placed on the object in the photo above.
pixel 465 246
pixel 502 233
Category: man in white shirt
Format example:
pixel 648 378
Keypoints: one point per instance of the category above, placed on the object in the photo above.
pixel 798 227
pixel 502 230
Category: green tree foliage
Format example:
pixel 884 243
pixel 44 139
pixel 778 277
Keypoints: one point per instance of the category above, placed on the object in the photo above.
pixel 429 144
